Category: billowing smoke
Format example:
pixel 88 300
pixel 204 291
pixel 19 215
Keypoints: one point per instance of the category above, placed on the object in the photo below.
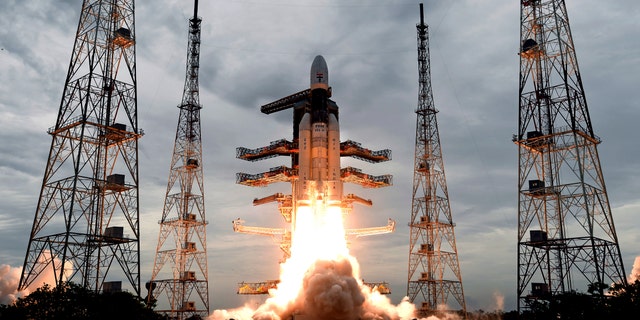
pixel 635 272
pixel 245 312
pixel 321 280
pixel 330 290
pixel 10 278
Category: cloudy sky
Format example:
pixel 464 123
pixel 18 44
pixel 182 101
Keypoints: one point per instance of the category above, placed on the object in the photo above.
pixel 256 51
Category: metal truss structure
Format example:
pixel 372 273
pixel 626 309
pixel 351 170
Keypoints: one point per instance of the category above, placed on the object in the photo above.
pixel 86 225
pixel 434 279
pixel 566 236
pixel 179 282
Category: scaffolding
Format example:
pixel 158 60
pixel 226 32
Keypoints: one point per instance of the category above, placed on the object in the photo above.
pixel 283 147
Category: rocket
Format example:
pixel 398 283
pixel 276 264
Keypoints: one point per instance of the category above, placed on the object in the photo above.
pixel 315 174
pixel 319 144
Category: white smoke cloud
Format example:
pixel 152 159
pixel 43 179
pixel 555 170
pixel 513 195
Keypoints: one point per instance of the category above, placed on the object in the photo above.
pixel 330 290
pixel 635 272
pixel 499 300
pixel 10 278
pixel 447 316
pixel 240 313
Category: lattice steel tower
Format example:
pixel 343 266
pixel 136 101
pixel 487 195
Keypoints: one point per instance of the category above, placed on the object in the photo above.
pixel 434 272
pixel 86 227
pixel 180 278
pixel 566 235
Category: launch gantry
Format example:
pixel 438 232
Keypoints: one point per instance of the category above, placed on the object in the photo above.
pixel 304 104
pixel 283 147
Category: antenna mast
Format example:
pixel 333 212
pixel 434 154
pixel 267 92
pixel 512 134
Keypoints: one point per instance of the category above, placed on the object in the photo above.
pixel 434 272
pixel 180 280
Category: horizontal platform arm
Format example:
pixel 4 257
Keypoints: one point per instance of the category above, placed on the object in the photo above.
pixel 362 232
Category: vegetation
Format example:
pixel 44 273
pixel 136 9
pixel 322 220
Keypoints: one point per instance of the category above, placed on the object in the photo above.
pixel 72 301
pixel 621 301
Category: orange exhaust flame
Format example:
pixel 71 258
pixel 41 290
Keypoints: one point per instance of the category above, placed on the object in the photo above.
pixel 319 235
pixel 321 280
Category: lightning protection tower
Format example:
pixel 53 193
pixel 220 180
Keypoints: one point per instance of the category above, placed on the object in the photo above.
pixel 86 225
pixel 180 278
pixel 434 272
pixel 566 236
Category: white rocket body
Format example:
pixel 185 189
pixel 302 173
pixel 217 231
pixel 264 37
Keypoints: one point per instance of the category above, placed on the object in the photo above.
pixel 319 145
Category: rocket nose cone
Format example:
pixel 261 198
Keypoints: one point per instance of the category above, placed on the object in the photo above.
pixel 318 61
pixel 319 75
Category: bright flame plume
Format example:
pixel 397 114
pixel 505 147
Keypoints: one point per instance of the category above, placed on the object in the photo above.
pixel 321 280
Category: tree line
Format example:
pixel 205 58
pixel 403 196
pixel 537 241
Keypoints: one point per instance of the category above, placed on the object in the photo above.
pixel 72 301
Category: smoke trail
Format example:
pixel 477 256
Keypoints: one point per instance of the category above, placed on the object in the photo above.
pixel 499 298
